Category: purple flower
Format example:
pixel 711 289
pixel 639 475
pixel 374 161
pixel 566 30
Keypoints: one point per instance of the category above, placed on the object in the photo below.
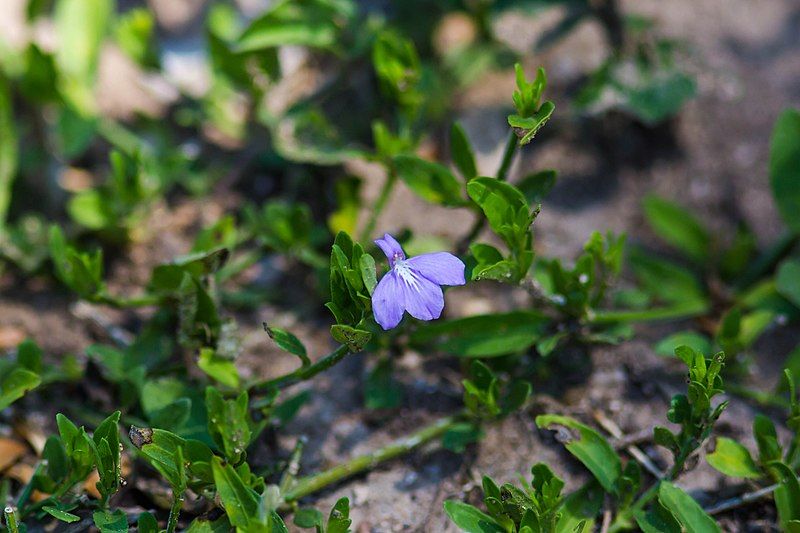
pixel 413 284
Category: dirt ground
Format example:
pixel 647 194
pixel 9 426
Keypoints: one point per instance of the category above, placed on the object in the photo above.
pixel 746 56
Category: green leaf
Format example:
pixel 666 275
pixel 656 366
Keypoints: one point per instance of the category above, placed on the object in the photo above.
pixel 368 272
pixel 580 507
pixel 111 522
pixel 590 448
pixel 784 167
pixel 147 523
pixel 666 280
pixel 485 335
pixel 505 208
pixel 339 519
pixel 220 368
pixel 89 209
pixel 460 435
pixel 678 227
pixel 694 340
pixel 289 343
pixel 536 186
pixel 9 150
pixel 14 385
pixel 733 459
pixel 308 518
pixel 381 390
pixel 229 423
pixel 787 280
pixel 355 339
pixel 787 495
pixel 470 519
pixel 685 509
pixel 81 26
pixel 527 127
pixel 657 520
pixel 60 515
pixel 430 181
pixel 239 500
pixel 314 23
pixel 461 152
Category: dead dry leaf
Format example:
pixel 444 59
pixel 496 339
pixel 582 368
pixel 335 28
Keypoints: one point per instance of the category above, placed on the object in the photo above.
pixel 10 452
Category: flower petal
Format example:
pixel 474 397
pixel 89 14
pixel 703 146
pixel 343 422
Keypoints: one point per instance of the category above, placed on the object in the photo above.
pixel 422 298
pixel 391 248
pixel 441 268
pixel 387 301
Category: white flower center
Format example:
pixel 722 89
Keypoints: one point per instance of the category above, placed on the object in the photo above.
pixel 406 274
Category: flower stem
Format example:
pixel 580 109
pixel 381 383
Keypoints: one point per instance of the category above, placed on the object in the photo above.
pixel 379 204
pixel 662 313
pixel 174 512
pixel 303 373
pixel 11 519
pixel 362 463
pixel 502 173
pixel 145 300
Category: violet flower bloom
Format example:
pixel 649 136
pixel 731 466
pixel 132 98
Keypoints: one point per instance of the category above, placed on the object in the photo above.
pixel 413 284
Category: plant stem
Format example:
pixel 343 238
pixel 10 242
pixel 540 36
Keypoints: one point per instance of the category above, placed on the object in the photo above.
pixel 174 512
pixel 508 156
pixel 11 520
pixel 661 313
pixel 316 482
pixel 145 300
pixel 744 499
pixel 303 373
pixel 502 173
pixel 380 203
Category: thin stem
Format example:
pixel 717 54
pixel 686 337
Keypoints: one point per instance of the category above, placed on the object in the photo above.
pixel 502 173
pixel 646 315
pixel 508 156
pixel 303 373
pixel 145 300
pixel 741 500
pixel 174 512
pixel 316 482
pixel 11 519
pixel 379 204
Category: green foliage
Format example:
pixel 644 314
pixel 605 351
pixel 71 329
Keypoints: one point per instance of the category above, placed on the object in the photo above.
pixel 532 113
pixel 693 412
pixel 784 161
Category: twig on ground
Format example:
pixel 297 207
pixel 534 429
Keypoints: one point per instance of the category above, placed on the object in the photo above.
pixel 741 500
pixel 606 521
pixel 614 430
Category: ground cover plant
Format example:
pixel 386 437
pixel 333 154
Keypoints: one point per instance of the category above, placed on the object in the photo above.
pixel 226 252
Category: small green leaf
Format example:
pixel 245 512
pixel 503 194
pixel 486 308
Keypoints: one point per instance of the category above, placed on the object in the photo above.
pixel 288 342
pixel 685 509
pixel 527 127
pixel 536 186
pixel 355 339
pixel 15 384
pixel 470 519
pixel 733 459
pixel 239 500
pixel 784 167
pixel 220 368
pixel 787 280
pixel 485 335
pixel 678 227
pixel 60 515
pixel 590 448
pixel 147 523
pixel 368 272
pixel 313 23
pixel 111 522
pixel 697 341
pixel 461 152
pixel 9 149
pixel 787 495
pixel 431 181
